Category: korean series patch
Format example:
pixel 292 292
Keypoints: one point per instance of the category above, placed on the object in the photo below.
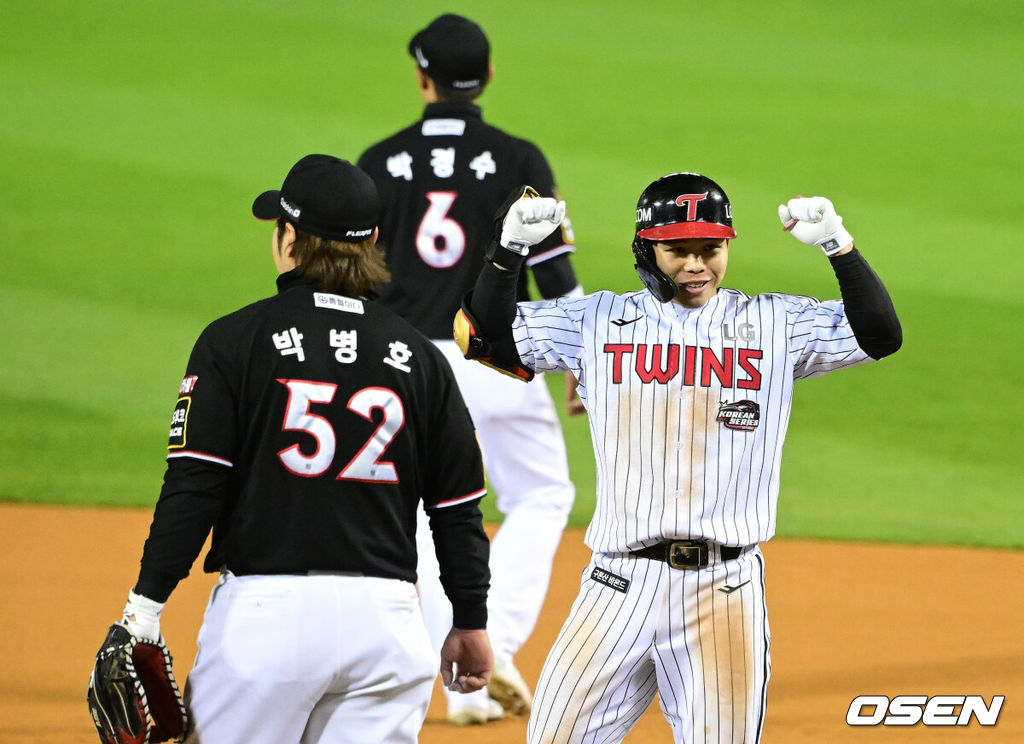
pixel 743 415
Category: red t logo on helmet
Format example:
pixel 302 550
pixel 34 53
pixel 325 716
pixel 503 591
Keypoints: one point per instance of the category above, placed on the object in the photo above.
pixel 691 203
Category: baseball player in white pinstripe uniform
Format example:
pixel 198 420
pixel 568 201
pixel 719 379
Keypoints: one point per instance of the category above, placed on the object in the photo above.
pixel 688 387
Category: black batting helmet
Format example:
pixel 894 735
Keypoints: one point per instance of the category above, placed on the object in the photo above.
pixel 677 206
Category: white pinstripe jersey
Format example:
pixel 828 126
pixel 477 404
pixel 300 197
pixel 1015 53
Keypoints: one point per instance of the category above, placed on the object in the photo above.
pixel 658 380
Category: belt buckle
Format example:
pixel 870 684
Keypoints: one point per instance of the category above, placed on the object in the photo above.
pixel 687 555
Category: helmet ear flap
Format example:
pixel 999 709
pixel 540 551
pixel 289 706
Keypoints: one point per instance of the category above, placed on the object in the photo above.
pixel 656 280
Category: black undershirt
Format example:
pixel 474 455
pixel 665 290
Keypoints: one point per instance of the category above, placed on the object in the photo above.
pixel 868 305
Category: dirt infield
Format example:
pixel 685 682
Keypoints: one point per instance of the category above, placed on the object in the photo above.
pixel 846 619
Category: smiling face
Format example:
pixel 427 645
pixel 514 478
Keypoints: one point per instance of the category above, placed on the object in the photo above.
pixel 696 265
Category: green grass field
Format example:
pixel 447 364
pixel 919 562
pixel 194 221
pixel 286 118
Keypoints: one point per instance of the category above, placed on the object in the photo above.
pixel 133 137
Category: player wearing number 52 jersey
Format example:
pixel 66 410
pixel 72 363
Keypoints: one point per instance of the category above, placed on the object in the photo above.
pixel 441 182
pixel 309 428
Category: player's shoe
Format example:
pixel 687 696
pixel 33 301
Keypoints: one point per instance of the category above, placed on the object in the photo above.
pixel 508 687
pixel 478 709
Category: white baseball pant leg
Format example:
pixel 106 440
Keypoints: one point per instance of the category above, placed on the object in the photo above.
pixel 673 632
pixel 323 658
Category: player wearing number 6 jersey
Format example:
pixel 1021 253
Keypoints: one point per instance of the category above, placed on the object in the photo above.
pixel 441 181
pixel 310 426
pixel 688 388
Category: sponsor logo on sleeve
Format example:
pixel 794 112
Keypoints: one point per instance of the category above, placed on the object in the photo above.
pixel 187 384
pixel 179 423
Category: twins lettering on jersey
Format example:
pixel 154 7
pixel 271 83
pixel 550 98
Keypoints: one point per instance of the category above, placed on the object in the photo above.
pixel 699 365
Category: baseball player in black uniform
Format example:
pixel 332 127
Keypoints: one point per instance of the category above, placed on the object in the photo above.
pixel 309 428
pixel 441 180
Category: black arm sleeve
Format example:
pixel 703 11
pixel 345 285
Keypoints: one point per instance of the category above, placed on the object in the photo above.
pixel 463 550
pixel 189 503
pixel 493 299
pixel 868 305
pixel 555 277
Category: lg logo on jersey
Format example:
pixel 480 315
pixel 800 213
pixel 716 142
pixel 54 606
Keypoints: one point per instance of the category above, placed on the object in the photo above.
pixel 910 710
pixel 743 332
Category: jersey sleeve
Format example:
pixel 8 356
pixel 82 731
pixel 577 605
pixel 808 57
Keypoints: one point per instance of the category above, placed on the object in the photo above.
pixel 454 483
pixel 190 500
pixel 549 334
pixel 820 337
pixel 454 473
pixel 203 425
pixel 200 455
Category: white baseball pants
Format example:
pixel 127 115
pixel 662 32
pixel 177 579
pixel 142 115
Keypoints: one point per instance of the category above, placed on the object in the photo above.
pixel 332 658
pixel 697 638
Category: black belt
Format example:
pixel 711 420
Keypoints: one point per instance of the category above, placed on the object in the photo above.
pixel 685 553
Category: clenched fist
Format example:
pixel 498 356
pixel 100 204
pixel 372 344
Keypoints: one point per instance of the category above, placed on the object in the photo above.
pixel 813 220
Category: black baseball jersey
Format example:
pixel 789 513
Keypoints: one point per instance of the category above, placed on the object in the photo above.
pixel 308 428
pixel 441 181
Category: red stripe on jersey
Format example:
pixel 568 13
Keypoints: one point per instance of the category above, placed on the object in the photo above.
pixel 458 500
pixel 200 456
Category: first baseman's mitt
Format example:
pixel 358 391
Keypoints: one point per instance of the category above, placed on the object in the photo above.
pixel 132 694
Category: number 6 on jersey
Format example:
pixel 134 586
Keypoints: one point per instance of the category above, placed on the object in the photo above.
pixel 436 224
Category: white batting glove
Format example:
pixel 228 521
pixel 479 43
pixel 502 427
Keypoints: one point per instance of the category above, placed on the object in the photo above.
pixel 142 617
pixel 529 221
pixel 813 220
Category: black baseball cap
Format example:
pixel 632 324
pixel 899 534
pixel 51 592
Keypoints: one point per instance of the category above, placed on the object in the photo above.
pixel 324 196
pixel 452 51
